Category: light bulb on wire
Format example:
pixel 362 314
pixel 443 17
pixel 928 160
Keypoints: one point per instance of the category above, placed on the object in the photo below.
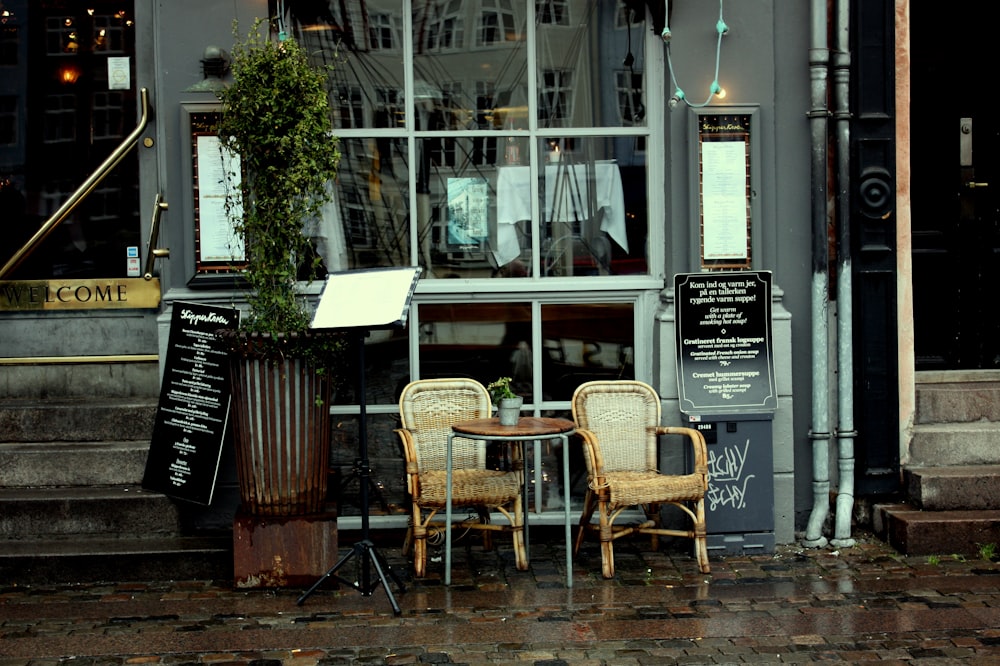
pixel 715 90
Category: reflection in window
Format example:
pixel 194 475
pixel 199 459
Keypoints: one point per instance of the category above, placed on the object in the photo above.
pixel 496 23
pixel 444 26
pixel 367 223
pixel 348 107
pixel 554 105
pixel 585 342
pixel 552 12
pixel 482 341
pixel 60 118
pixel 591 207
pixel 8 120
pixel 630 106
pixel 10 44
pixel 381 32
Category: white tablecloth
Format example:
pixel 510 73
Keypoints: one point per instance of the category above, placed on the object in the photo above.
pixel 571 184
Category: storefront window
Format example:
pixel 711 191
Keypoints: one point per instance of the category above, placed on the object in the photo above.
pixel 576 342
pixel 68 99
pixel 446 111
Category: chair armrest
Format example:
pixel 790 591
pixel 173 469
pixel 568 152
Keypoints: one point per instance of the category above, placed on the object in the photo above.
pixel 592 455
pixel 409 460
pixel 698 447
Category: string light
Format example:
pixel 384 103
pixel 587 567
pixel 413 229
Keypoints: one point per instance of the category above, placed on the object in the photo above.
pixel 714 90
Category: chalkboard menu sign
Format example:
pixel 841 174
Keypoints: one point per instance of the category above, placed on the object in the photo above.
pixel 724 362
pixel 193 410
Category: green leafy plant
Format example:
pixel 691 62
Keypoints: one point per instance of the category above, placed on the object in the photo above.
pixel 987 551
pixel 500 389
pixel 933 560
pixel 276 118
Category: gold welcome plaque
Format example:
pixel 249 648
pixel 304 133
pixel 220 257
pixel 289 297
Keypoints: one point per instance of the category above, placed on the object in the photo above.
pixel 84 294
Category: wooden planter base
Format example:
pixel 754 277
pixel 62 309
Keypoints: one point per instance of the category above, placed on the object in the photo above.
pixel 291 551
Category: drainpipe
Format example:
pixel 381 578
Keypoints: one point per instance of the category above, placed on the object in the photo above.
pixel 845 322
pixel 819 433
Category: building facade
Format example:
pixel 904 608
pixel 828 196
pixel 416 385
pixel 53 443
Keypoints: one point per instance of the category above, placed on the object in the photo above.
pixel 552 167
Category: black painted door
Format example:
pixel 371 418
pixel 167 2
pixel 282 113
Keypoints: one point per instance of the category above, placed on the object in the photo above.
pixel 956 239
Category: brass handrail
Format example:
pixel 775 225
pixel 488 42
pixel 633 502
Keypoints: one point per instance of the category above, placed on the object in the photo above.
pixel 81 193
pixel 153 253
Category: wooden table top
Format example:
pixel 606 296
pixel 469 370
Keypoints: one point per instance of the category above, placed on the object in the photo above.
pixel 527 426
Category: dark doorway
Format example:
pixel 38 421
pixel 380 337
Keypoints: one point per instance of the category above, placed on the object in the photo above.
pixel 954 211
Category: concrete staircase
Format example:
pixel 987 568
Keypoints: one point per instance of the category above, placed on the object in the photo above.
pixel 73 444
pixel 951 501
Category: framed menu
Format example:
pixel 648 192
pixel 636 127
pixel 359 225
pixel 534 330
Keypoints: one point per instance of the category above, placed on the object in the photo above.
pixel 725 188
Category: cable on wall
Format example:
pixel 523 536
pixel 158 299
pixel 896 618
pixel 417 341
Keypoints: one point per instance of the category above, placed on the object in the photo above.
pixel 715 89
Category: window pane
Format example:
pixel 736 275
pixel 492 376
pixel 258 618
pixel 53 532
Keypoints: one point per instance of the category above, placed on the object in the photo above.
pixel 593 206
pixel 589 75
pixel 470 65
pixel 585 342
pixel 457 214
pixel 483 341
pixel 367 223
pixel 364 44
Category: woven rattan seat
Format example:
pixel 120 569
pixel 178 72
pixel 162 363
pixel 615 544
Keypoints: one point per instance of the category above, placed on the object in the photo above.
pixel 428 408
pixel 619 422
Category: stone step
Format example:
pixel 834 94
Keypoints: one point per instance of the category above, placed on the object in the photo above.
pixel 914 532
pixel 945 444
pixel 96 559
pixel 48 464
pixel 122 511
pixel 970 487
pixel 957 402
pixel 77 420
pixel 94 381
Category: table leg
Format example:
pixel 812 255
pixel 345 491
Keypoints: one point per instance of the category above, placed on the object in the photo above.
pixel 566 511
pixel 447 514
pixel 525 504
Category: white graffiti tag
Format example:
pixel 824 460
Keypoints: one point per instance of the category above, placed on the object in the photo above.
pixel 727 485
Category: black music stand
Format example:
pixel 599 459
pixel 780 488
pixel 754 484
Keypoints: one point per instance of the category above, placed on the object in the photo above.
pixel 361 301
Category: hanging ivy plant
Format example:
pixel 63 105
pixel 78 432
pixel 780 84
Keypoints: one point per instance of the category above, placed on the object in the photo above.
pixel 276 117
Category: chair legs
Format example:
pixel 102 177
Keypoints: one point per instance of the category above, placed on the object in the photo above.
pixel 607 532
pixel 417 533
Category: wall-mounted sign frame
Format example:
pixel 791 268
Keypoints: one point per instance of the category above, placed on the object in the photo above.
pixel 724 185
pixel 212 172
pixel 725 360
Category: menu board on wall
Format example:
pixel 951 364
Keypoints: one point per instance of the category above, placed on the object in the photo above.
pixel 724 347
pixel 724 189
pixel 191 418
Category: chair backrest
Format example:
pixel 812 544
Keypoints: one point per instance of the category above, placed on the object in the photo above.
pixel 429 407
pixel 623 414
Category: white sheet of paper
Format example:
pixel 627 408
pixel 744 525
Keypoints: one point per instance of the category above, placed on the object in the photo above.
pixel 375 298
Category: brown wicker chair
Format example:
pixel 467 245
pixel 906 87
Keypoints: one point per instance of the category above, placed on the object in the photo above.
pixel 428 408
pixel 619 422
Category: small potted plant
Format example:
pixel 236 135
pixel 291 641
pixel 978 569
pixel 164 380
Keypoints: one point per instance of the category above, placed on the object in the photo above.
pixel 507 402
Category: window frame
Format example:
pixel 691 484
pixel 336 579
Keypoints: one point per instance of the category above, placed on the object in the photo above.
pixel 643 290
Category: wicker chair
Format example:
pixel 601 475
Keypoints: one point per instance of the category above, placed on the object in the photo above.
pixel 428 408
pixel 619 422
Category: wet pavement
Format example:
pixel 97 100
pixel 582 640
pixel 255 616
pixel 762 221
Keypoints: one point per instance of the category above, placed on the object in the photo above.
pixel 859 604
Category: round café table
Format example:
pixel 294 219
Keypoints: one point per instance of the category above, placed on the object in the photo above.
pixel 527 429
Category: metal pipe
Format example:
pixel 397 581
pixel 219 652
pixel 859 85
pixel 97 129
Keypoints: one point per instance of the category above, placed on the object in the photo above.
pixel 845 318
pixel 819 58
pixel 81 193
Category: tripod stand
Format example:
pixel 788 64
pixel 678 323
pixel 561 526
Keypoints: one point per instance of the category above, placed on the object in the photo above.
pixel 364 549
pixel 360 300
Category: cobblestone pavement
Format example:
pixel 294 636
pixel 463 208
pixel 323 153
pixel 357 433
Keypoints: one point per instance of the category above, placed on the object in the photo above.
pixel 858 604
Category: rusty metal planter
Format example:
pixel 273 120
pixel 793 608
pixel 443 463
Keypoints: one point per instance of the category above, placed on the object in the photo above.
pixel 281 427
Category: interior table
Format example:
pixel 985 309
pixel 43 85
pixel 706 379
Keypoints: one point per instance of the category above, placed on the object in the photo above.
pixel 528 429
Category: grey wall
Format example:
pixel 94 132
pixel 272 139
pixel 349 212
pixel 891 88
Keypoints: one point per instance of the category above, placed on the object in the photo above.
pixel 764 62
